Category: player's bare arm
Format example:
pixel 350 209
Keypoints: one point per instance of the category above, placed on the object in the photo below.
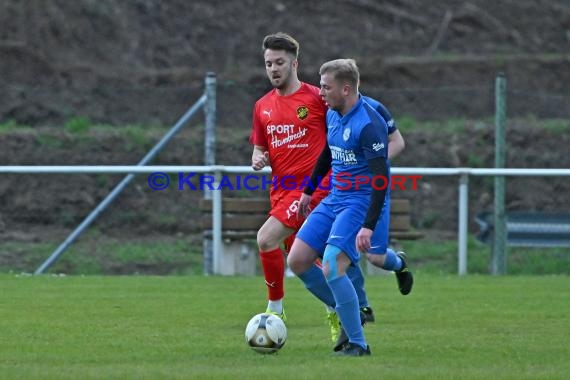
pixel 396 144
pixel 259 158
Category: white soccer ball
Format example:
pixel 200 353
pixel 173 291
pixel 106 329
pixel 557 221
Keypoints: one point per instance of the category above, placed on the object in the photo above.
pixel 265 333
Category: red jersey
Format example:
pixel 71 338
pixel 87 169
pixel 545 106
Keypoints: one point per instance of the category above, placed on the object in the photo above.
pixel 292 128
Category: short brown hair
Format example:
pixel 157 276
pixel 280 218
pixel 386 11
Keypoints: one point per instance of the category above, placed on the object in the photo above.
pixel 343 70
pixel 281 41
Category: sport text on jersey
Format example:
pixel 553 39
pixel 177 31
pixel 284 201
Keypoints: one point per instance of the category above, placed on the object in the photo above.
pixel 282 134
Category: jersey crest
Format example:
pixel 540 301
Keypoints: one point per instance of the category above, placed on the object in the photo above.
pixel 302 112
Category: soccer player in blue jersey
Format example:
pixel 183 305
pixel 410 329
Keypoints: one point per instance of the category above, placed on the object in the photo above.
pixel 344 224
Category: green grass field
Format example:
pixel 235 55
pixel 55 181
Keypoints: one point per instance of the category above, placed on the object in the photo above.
pixel 177 327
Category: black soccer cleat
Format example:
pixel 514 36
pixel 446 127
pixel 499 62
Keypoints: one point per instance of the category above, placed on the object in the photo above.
pixel 342 339
pixel 353 349
pixel 404 276
pixel 368 314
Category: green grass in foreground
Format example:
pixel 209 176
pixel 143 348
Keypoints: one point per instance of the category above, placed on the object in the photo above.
pixel 137 327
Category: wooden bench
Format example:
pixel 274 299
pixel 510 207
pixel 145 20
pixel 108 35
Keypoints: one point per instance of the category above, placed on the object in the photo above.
pixel 242 218
pixel 401 221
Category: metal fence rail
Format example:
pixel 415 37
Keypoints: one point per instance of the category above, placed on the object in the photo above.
pixel 219 170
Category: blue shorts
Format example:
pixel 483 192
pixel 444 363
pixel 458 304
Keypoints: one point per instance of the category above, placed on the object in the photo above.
pixel 337 221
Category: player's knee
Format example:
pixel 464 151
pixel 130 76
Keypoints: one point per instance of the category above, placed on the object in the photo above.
pixel 330 266
pixel 293 263
pixel 297 263
pixel 265 241
pixel 301 257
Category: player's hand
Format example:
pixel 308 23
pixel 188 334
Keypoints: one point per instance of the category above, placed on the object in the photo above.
pixel 304 206
pixel 363 240
pixel 259 161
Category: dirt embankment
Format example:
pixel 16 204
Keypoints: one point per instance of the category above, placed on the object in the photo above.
pixel 144 62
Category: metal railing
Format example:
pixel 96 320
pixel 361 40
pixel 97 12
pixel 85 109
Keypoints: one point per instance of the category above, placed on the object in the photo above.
pixel 218 171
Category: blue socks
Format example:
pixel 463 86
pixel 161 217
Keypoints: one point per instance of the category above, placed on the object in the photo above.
pixel 357 278
pixel 340 292
pixel 392 261
pixel 315 282
pixel 347 309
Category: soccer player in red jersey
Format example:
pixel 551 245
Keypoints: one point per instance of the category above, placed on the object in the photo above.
pixel 288 134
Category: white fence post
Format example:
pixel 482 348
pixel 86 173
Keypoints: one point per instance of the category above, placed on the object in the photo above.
pixel 217 223
pixel 463 206
pixel 209 158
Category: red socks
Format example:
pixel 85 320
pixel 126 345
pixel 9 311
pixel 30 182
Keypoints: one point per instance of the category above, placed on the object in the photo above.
pixel 273 265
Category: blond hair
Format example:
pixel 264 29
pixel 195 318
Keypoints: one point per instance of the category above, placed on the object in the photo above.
pixel 343 70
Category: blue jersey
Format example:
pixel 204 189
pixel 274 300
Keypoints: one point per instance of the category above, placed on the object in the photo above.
pixel 355 138
pixel 383 111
